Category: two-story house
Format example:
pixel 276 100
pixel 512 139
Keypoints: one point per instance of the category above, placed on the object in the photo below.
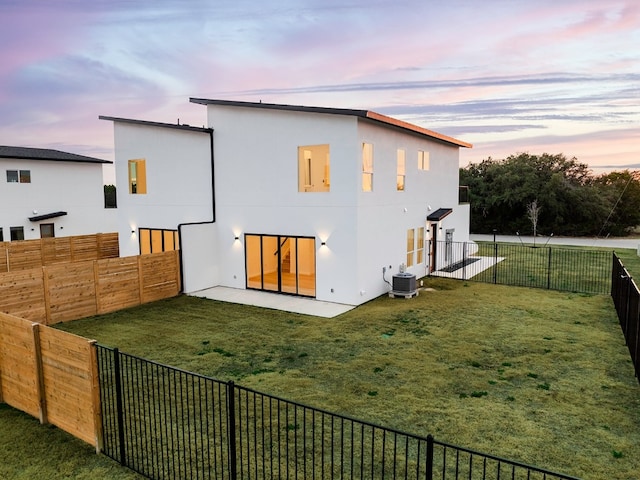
pixel 319 202
pixel 49 193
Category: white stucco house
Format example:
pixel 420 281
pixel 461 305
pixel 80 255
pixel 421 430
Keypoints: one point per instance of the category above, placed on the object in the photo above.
pixel 49 193
pixel 320 202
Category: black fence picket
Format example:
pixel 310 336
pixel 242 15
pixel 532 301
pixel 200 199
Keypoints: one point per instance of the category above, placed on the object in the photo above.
pixel 626 299
pixel 166 423
pixel 537 266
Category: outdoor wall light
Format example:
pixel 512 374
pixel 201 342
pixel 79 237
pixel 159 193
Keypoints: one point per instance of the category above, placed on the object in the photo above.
pixel 236 238
pixel 323 244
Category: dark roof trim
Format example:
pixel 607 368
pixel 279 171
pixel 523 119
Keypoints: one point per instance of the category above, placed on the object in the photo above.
pixel 47 216
pixel 176 126
pixel 366 114
pixel 29 153
pixel 439 214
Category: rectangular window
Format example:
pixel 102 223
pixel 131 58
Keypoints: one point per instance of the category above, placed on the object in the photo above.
pixel 17 233
pixel 411 246
pixel 367 167
pixel 47 230
pixel 401 171
pixel 420 246
pixel 137 177
pixel 314 168
pixel 15 176
pixel 154 240
pixel 423 160
pixel 1 235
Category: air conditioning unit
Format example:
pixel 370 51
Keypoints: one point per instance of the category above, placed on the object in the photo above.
pixel 404 284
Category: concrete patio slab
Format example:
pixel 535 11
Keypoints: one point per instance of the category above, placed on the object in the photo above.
pixel 287 303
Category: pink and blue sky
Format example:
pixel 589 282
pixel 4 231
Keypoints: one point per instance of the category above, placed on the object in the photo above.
pixel 509 76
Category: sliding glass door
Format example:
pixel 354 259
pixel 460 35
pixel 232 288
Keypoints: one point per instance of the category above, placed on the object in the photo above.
pixel 282 264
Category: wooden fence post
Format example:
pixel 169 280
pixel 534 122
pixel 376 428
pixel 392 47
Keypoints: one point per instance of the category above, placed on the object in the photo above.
pixel 95 396
pixel 40 385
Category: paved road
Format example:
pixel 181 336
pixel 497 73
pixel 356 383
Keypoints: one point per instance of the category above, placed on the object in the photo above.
pixel 633 243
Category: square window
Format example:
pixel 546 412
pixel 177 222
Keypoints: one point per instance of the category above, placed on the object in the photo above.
pixel 47 230
pixel 314 168
pixel 17 233
pixel 12 176
pixel 25 176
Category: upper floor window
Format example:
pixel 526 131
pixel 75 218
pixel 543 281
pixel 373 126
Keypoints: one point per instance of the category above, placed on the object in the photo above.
pixel 1 235
pixel 423 160
pixel 401 172
pixel 367 167
pixel 314 168
pixel 137 177
pixel 19 176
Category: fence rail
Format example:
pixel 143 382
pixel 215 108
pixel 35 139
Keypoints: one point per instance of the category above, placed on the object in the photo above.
pixel 554 268
pixel 59 293
pixel 164 422
pixel 27 254
pixel 626 298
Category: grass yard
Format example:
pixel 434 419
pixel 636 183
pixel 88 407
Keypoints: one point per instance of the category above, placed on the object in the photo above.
pixel 30 451
pixel 532 375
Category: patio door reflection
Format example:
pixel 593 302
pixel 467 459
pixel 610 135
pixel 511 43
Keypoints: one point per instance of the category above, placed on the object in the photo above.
pixel 283 264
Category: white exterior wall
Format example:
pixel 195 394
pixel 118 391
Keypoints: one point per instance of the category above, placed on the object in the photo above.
pixel 385 214
pixel 178 173
pixel 72 187
pixel 257 191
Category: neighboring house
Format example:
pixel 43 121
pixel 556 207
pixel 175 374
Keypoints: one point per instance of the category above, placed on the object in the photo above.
pixel 320 202
pixel 48 193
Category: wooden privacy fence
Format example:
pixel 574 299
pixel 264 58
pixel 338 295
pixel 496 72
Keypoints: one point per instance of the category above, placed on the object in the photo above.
pixel 27 254
pixel 59 293
pixel 51 375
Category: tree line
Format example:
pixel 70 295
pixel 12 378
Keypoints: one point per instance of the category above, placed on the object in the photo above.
pixel 566 197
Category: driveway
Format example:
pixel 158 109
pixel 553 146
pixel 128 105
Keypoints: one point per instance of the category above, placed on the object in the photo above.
pixel 633 243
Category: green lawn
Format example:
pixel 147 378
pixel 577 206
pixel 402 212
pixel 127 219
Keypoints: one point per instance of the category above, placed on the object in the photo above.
pixel 532 375
pixel 30 451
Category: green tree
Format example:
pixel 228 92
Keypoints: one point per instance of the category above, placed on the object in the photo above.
pixel 621 192
pixel 500 191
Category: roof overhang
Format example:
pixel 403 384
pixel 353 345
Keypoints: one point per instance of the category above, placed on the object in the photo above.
pixel 364 114
pixel 47 216
pixel 439 214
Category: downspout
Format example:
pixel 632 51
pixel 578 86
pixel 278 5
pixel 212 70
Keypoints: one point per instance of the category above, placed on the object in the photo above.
pixel 213 212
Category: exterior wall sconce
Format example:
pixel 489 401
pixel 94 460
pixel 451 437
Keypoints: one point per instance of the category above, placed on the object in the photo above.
pixel 133 231
pixel 323 244
pixel 236 238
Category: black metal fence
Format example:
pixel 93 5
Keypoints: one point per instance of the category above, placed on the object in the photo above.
pixel 626 298
pixel 166 423
pixel 550 267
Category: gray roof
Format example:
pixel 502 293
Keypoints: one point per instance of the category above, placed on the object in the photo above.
pixel 177 126
pixel 365 114
pixel 29 153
